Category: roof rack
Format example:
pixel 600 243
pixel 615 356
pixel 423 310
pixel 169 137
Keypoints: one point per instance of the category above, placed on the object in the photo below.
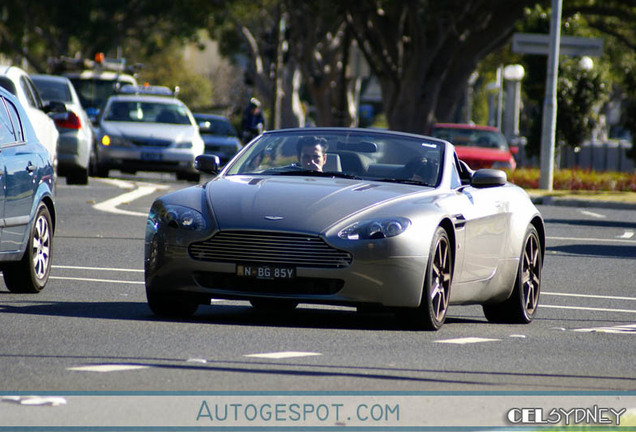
pixel 99 63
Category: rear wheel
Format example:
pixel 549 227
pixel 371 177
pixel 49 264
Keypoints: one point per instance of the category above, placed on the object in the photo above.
pixel 431 314
pixel 31 273
pixel 522 305
pixel 78 177
pixel 169 307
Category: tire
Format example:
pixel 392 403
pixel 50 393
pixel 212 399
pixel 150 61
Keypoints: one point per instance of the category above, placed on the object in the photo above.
pixel 431 314
pixel 31 273
pixel 273 305
pixel 521 306
pixel 78 177
pixel 168 307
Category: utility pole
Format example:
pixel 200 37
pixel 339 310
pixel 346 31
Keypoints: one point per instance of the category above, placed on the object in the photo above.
pixel 548 129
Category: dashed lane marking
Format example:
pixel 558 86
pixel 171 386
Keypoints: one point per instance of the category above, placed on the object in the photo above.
pixel 595 215
pixel 107 368
pixel 97 280
pixel 595 296
pixel 587 308
pixel 625 329
pixel 283 354
pixel 98 268
pixel 467 340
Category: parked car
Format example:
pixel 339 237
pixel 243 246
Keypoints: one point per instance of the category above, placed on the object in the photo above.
pixel 219 136
pixel 18 82
pixel 27 208
pixel 76 133
pixel 145 128
pixel 358 217
pixel 478 146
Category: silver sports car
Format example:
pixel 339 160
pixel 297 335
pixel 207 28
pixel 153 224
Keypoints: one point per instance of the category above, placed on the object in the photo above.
pixel 359 217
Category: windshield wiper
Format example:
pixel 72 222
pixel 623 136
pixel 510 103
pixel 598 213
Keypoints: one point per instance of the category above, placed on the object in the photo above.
pixel 403 181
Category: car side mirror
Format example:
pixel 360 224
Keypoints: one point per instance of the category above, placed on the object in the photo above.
pixel 207 163
pixel 55 107
pixel 486 177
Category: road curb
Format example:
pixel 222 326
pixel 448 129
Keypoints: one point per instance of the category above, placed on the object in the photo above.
pixel 576 202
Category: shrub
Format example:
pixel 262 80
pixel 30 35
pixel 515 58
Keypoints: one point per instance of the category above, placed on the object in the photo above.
pixel 576 179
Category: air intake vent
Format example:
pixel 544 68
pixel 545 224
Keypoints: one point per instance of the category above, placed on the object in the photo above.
pixel 270 247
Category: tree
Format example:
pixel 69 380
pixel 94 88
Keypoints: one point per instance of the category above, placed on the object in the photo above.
pixel 40 30
pixel 424 51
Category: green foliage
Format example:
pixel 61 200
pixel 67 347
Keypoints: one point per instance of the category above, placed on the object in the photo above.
pixel 579 93
pixel 576 180
pixel 166 68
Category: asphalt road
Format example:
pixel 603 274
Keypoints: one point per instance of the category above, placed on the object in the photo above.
pixel 91 330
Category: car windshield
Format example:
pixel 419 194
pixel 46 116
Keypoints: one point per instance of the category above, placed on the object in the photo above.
pixel 471 137
pixel 53 90
pixel 369 155
pixel 146 112
pixel 215 126
pixel 93 93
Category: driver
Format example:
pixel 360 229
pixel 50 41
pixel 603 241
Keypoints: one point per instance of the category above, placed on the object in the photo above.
pixel 312 152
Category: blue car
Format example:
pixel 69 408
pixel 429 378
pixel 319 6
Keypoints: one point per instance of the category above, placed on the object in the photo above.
pixel 27 209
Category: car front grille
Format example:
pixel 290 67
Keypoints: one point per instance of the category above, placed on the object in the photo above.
pixel 141 142
pixel 270 247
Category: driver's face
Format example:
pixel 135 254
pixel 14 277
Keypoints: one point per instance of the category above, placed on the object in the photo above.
pixel 312 157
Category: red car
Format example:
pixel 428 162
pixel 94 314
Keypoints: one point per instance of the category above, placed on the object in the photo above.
pixel 478 146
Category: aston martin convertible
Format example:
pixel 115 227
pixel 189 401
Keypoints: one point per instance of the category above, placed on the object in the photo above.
pixel 360 217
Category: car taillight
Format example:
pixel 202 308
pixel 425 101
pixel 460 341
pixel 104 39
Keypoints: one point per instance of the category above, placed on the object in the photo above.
pixel 68 120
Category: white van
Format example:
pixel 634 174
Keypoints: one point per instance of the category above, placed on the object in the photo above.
pixel 95 87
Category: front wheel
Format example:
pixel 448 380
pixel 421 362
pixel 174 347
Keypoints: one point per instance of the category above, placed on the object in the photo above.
pixel 522 305
pixel 31 273
pixel 431 314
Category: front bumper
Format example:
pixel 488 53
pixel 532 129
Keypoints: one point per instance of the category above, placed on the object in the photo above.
pixel 372 278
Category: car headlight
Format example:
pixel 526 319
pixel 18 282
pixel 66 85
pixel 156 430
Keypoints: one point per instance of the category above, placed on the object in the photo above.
pixel 180 217
pixel 184 145
pixel 113 140
pixel 375 229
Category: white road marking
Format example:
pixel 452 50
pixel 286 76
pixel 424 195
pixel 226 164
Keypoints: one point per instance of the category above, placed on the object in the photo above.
pixel 595 240
pixel 587 308
pixel 588 296
pixel 97 280
pixel 35 400
pixel 98 268
pixel 283 354
pixel 596 215
pixel 467 340
pixel 142 189
pixel 107 368
pixel 627 235
pixel 629 328
pixel 110 205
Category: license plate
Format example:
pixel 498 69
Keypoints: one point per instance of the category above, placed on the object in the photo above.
pixel 151 156
pixel 265 271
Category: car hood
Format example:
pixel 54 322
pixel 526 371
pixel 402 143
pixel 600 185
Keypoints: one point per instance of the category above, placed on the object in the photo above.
pixel 174 132
pixel 300 204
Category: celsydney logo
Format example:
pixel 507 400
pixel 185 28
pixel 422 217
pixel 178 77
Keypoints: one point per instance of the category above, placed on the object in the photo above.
pixel 593 415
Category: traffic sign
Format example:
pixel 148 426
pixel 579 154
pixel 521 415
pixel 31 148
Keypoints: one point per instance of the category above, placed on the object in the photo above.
pixel 537 43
